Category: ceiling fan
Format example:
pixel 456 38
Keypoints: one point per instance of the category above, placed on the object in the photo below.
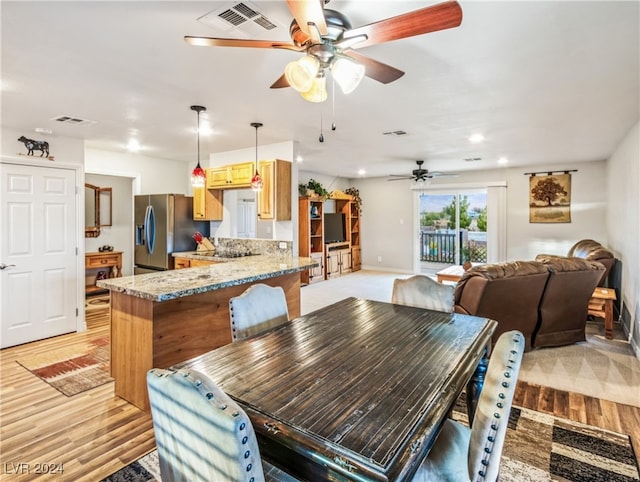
pixel 328 40
pixel 420 174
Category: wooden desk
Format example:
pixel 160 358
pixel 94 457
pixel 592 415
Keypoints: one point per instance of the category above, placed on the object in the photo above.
pixel 111 261
pixel 601 305
pixel 356 390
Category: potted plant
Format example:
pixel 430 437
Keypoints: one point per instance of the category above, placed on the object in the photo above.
pixel 317 188
pixel 355 194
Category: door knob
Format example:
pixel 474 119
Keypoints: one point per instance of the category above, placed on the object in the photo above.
pixel 5 266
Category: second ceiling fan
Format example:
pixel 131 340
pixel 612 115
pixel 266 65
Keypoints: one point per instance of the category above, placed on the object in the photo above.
pixel 420 174
pixel 329 42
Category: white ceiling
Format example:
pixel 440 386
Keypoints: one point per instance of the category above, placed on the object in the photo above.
pixel 544 82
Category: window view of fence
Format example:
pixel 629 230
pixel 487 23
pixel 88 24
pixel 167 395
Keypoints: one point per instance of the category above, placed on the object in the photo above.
pixel 439 238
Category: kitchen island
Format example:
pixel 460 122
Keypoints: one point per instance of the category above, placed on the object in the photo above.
pixel 160 319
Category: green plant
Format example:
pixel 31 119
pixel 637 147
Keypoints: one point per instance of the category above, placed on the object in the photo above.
pixel 318 188
pixel 356 197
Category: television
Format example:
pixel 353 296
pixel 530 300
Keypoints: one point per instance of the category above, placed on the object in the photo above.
pixel 334 228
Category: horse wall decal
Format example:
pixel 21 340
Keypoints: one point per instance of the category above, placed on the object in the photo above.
pixel 32 145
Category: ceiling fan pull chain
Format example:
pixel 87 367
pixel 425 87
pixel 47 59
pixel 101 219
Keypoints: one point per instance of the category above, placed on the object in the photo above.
pixel 321 138
pixel 333 103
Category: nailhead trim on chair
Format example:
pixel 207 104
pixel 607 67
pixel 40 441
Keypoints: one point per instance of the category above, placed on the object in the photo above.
pixel 494 426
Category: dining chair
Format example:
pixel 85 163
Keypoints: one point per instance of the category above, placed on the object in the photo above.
pixel 423 292
pixel 259 308
pixel 201 433
pixel 461 453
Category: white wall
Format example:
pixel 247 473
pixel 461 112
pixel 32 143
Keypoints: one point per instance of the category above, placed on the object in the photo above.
pixel 387 214
pixel 153 175
pixel 623 224
pixel 65 150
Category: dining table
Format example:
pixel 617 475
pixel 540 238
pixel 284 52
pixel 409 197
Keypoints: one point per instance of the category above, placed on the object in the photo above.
pixel 357 390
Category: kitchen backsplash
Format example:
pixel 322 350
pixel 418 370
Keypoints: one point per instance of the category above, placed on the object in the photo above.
pixel 253 246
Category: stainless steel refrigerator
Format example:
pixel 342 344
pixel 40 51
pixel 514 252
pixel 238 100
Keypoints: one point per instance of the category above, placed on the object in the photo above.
pixel 163 225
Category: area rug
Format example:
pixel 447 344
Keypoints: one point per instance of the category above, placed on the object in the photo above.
pixel 539 447
pixel 72 370
pixel 97 303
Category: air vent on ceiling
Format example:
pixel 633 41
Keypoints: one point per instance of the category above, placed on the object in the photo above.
pixel 67 119
pixel 243 18
pixel 394 133
pixel 473 159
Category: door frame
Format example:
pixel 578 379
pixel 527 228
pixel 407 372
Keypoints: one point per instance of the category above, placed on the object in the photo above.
pixel 498 234
pixel 81 323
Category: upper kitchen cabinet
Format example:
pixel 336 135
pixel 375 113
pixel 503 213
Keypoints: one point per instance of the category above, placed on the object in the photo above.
pixel 274 201
pixel 207 204
pixel 230 177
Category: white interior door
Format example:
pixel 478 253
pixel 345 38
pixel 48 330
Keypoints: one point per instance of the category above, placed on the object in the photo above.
pixel 38 253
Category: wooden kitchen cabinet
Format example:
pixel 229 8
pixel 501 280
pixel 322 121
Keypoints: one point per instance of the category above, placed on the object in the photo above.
pixel 109 262
pixel 274 201
pixel 181 263
pixel 230 177
pixel 207 204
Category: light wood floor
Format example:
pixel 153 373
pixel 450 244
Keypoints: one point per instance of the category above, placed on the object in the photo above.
pixel 94 433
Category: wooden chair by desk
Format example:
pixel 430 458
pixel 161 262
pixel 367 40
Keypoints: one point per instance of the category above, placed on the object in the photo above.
pixel 355 390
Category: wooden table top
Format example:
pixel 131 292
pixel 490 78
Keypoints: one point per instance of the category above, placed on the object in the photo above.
pixel 359 388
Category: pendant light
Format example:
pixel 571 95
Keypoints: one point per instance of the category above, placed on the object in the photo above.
pixel 198 176
pixel 256 180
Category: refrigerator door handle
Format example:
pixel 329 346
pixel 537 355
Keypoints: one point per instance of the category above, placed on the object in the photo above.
pixel 150 228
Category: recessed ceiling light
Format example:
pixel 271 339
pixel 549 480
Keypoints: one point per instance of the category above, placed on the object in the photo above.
pixel 298 158
pixel 133 145
pixel 503 160
pixel 205 128
pixel 361 172
pixel 476 138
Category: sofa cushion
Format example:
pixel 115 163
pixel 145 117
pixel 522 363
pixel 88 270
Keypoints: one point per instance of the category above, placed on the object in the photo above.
pixel 509 293
pixel 594 251
pixel 565 302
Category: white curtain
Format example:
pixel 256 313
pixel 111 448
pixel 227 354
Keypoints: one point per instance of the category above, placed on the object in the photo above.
pixel 496 224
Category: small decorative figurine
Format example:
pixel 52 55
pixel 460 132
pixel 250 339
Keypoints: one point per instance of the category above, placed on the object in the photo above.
pixel 32 145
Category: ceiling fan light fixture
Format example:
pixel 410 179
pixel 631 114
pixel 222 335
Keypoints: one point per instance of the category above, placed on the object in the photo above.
pixel 348 74
pixel 301 73
pixel 318 90
pixel 198 176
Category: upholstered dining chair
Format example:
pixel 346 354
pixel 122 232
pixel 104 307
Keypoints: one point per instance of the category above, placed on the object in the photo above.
pixel 259 308
pixel 201 433
pixel 423 292
pixel 473 454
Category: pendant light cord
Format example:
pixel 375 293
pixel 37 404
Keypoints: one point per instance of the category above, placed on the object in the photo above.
pixel 198 138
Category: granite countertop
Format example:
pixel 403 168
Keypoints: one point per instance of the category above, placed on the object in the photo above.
pixel 168 285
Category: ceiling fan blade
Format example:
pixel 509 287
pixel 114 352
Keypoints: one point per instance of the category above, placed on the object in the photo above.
pixel 429 19
pixel 232 42
pixel 376 70
pixel 442 174
pixel 280 83
pixel 308 11
pixel 400 178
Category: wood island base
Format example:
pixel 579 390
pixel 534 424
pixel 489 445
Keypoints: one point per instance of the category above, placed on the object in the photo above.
pixel 149 334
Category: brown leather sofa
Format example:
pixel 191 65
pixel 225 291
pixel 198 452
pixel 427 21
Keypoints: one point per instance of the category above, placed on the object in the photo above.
pixel 593 251
pixel 515 295
pixel 565 301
